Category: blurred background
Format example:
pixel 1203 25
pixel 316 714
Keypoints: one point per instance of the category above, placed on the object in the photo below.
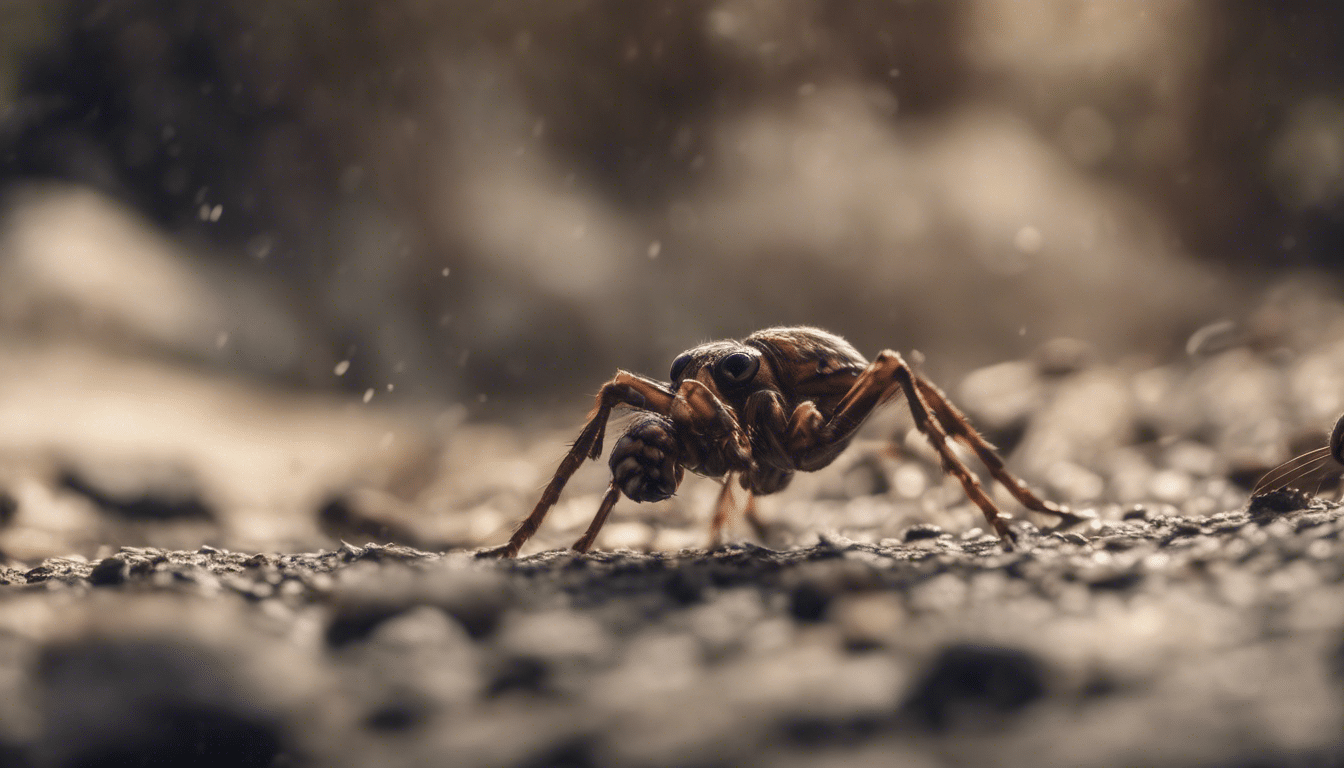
pixel 372 259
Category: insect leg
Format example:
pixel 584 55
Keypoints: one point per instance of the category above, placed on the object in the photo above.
pixel 623 389
pixel 959 427
pixel 758 525
pixel 885 378
pixel 698 410
pixel 722 509
pixel 600 519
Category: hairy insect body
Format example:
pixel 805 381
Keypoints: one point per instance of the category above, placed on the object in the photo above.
pixel 756 411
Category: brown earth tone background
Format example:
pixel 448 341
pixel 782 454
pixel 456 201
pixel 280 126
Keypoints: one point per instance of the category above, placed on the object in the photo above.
pixel 301 302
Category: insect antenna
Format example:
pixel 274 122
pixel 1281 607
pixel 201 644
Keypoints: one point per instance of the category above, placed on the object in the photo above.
pixel 1292 470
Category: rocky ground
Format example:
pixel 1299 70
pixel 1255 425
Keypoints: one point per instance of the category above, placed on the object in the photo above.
pixel 1158 639
pixel 152 612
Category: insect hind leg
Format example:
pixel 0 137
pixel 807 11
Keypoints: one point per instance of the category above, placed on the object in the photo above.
pixel 955 423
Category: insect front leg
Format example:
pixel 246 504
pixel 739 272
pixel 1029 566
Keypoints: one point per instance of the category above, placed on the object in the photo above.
pixel 698 411
pixel 623 389
pixel 722 509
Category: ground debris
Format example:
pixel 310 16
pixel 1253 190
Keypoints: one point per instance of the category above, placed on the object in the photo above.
pixel 969 651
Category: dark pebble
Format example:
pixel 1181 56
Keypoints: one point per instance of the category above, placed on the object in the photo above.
pixel 147 702
pixel 14 755
pixel 112 570
pixel 1278 501
pixel 814 732
pixel 149 504
pixel 1119 582
pixel 575 752
pixel 519 673
pixel 352 623
pixel 395 717
pixel 8 508
pixel 686 585
pixel 922 531
pixel 809 602
pixel 967 683
pixel 1136 512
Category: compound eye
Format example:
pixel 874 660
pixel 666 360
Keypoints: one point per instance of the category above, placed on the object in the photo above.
pixel 679 365
pixel 738 368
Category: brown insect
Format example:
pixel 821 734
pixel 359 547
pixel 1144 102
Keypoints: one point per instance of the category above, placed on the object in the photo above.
pixel 1313 466
pixel 755 411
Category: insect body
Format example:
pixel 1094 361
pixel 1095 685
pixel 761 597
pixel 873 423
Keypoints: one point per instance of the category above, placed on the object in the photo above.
pixel 754 412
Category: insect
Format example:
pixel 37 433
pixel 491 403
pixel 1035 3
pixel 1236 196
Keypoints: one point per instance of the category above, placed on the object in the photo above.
pixel 756 411
pixel 1313 466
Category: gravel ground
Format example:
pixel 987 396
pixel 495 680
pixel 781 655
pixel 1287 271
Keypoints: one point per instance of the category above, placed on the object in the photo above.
pixel 1178 626
pixel 1158 639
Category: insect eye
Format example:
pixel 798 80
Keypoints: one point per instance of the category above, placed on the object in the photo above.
pixel 680 364
pixel 738 368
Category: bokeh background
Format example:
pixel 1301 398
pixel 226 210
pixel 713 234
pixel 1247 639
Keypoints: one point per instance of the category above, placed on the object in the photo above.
pixel 372 259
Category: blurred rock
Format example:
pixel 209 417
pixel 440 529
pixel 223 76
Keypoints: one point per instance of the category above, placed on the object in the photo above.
pixel 76 265
pixel 975 687
pixel 8 507
pixel 366 519
pixel 149 702
pixel 147 491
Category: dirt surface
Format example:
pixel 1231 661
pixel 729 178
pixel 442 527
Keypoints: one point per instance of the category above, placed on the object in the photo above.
pixel 1158 639
pixel 299 310
pixel 224 608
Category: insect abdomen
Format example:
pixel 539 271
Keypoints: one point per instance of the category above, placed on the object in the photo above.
pixel 644 461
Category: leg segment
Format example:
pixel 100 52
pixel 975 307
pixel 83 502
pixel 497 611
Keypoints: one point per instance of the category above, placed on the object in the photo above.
pixel 586 542
pixel 959 427
pixel 698 411
pixel 929 425
pixel 813 438
pixel 722 509
pixel 623 389
pixel 758 525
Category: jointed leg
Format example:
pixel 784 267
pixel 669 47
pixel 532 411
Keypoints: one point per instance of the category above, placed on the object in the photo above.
pixel 758 525
pixel 955 423
pixel 722 509
pixel 884 378
pixel 697 410
pixel 586 542
pixel 623 389
pixel 929 425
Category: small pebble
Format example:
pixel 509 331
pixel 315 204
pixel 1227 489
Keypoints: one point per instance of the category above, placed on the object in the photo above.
pixel 922 531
